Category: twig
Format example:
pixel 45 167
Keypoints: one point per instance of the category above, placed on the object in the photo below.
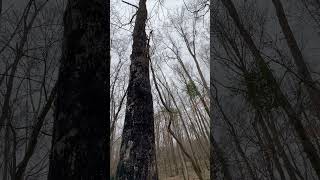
pixel 20 77
pixel 130 4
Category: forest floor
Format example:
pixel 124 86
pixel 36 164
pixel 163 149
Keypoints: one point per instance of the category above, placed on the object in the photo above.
pixel 180 177
pixel 191 173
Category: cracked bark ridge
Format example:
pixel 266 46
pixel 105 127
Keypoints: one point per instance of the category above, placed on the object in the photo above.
pixel 81 114
pixel 137 153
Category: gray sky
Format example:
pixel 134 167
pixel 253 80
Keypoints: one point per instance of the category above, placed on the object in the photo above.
pixel 159 15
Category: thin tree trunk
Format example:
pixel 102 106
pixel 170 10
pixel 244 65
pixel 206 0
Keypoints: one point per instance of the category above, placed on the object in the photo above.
pixel 185 126
pixel 158 152
pixel 19 53
pixel 195 166
pixel 0 9
pixel 264 128
pixel 281 151
pixel 219 155
pixel 192 52
pixel 190 78
pixel 314 93
pixel 200 121
pixel 80 137
pixel 13 153
pixel 242 67
pixel 165 163
pixel 184 165
pixel 6 152
pixel 235 138
pixel 294 118
pixel 167 148
pixel 267 157
pixel 173 154
pixel 181 156
pixel 244 70
pixel 137 153
pixel 33 139
pixel 216 153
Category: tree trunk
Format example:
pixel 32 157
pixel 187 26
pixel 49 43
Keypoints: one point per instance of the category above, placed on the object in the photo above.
pixel 266 155
pixel 79 143
pixel 272 146
pixel 167 150
pixel 293 117
pixel 314 93
pixel 183 164
pixel 173 154
pixel 281 151
pixel 181 156
pixel 137 153
pixel 33 139
pixel 216 153
pixel 0 8
pixel 6 153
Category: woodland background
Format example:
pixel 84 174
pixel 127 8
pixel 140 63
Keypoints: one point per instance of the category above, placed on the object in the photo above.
pixel 253 134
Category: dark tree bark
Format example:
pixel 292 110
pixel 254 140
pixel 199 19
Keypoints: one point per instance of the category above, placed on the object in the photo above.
pixel 137 153
pixel 213 165
pixel 80 142
pixel 0 7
